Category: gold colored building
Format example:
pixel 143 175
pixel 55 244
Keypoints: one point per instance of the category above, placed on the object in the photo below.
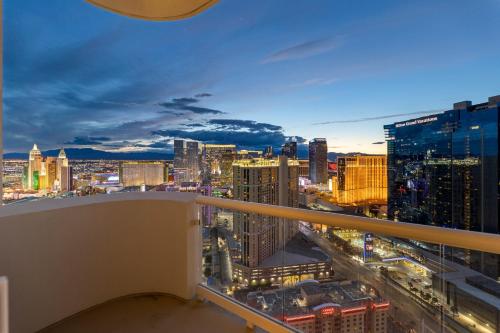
pixel 360 180
pixel 217 164
pixel 137 173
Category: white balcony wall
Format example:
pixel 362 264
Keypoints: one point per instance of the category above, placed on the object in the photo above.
pixel 64 256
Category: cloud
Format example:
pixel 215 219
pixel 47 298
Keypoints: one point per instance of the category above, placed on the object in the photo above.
pixel 160 144
pixel 316 82
pixel 378 143
pixel 303 50
pixel 363 119
pixel 298 139
pixel 244 133
pixel 92 85
pixel 194 125
pixel 185 104
pixel 202 95
pixel 238 124
pixel 89 140
pixel 256 140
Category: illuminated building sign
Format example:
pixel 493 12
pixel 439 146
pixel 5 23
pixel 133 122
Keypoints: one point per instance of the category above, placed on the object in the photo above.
pixel 327 311
pixel 381 306
pixel 354 310
pixel 368 247
pixel 298 318
pixel 416 121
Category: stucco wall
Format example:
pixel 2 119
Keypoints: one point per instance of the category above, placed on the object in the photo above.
pixel 63 256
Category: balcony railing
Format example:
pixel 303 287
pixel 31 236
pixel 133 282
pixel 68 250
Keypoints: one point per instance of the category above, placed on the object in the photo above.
pixel 64 256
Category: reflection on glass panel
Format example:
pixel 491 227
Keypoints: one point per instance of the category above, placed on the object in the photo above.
pixel 336 280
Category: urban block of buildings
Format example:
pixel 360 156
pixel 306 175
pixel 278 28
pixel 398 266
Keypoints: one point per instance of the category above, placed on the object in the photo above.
pixel 51 174
pixel 312 307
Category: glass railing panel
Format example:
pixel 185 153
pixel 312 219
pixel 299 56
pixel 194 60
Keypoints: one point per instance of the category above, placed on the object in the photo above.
pixel 327 279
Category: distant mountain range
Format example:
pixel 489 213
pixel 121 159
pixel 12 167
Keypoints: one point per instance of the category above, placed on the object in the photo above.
pixel 94 154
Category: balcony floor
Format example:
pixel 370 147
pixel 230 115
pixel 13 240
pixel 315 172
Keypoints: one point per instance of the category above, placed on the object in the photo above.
pixel 151 314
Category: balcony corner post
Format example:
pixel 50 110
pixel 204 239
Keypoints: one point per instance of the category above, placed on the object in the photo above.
pixel 194 248
pixel 4 305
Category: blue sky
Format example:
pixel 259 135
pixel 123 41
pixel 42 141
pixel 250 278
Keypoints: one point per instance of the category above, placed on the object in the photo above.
pixel 247 72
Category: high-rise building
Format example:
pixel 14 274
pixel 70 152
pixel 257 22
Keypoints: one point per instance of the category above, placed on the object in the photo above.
pixel 51 169
pixel 443 170
pixel 318 161
pixel 266 181
pixel 289 149
pixel 34 167
pixel 217 164
pixel 142 173
pixel 268 152
pixel 63 172
pixel 186 161
pixel 304 168
pixel 360 179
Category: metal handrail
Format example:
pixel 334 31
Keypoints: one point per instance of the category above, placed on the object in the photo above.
pixel 472 240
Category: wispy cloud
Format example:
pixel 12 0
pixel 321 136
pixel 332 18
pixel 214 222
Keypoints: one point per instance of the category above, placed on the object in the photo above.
pixel 304 50
pixel 88 140
pixel 378 143
pixel 243 125
pixel 203 95
pixel 363 119
pixel 186 104
pixel 318 81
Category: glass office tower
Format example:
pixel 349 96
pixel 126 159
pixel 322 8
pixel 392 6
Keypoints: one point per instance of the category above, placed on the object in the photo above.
pixel 443 170
pixel 318 161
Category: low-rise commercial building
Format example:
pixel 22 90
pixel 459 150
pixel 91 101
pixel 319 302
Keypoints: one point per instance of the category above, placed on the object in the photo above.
pixel 312 307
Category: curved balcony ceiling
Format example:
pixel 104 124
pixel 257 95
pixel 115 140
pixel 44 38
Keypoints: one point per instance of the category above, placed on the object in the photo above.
pixel 155 10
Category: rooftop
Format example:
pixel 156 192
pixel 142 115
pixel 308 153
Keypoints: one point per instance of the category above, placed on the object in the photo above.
pixel 309 297
pixel 297 251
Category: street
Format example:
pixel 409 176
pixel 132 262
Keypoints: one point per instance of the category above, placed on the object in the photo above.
pixel 408 312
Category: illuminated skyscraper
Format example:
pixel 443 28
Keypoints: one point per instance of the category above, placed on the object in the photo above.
pixel 361 180
pixel 443 170
pixel 289 149
pixel 34 168
pixel 186 161
pixel 266 181
pixel 318 161
pixel 268 152
pixel 63 172
pixel 217 164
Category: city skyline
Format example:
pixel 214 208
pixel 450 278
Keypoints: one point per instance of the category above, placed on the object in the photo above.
pixel 127 85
